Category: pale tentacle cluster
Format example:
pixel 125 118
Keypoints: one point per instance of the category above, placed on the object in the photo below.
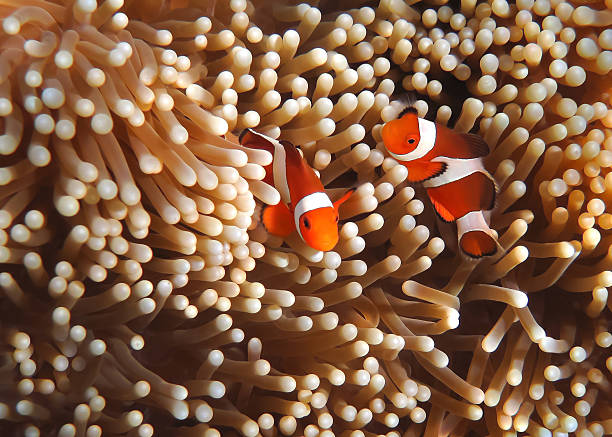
pixel 140 294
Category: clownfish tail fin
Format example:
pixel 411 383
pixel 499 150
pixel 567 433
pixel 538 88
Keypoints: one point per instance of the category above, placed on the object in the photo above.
pixel 477 244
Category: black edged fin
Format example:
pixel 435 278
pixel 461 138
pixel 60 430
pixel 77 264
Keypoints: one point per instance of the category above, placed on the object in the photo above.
pixel 491 251
pixel 475 257
pixel 260 208
pixel 424 171
pixel 477 144
pixel 404 103
pixel 408 110
pixel 470 255
pixel 242 134
pixel 493 199
pixel 440 215
pixel 438 173
pixel 495 189
pixel 287 144
pixel 441 211
pixel 292 153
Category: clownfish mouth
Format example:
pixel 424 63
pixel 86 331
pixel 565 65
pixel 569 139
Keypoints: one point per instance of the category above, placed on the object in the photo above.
pixel 325 244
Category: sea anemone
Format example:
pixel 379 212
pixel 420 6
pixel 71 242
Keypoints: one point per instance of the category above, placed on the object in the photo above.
pixel 141 295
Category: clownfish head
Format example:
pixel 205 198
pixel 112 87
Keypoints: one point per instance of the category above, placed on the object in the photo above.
pixel 402 135
pixel 318 227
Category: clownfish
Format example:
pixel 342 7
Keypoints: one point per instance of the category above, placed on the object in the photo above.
pixel 304 205
pixel 450 166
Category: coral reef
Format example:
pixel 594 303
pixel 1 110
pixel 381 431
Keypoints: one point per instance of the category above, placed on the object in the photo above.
pixel 141 296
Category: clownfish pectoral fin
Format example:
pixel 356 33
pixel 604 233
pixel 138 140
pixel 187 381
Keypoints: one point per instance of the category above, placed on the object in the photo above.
pixel 476 144
pixel 278 220
pixel 343 199
pixel 477 244
pixel 442 211
pixel 421 171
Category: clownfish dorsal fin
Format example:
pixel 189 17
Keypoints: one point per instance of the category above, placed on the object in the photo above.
pixel 476 144
pixel 292 152
pixel 408 110
pixel 248 135
pixel 250 138
pixel 343 199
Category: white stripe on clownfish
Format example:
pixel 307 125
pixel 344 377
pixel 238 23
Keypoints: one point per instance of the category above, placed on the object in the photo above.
pixel 279 167
pixel 456 168
pixel 427 133
pixel 474 221
pixel 309 203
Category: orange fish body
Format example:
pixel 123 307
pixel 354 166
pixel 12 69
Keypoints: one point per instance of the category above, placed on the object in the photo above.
pixel 449 164
pixel 304 205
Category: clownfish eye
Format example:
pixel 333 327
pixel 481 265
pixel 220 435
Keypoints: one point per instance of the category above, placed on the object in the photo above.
pixel 411 141
pixel 306 223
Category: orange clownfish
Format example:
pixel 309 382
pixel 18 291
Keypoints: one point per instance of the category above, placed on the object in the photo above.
pixel 449 164
pixel 304 205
